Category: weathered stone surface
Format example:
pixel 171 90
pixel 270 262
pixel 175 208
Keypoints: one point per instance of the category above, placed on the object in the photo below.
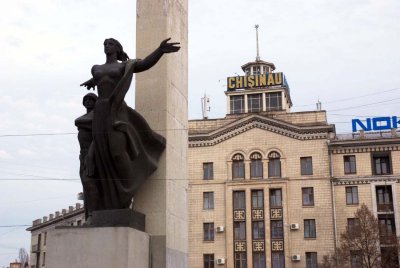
pixel 161 97
pixel 97 247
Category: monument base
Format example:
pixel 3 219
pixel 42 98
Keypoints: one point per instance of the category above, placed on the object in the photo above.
pixel 118 218
pixel 101 247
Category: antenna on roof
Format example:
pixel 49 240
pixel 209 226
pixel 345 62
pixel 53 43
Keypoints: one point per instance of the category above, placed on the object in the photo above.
pixel 258 52
pixel 319 105
pixel 205 106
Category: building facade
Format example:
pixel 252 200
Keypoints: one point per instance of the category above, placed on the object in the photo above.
pixel 365 170
pixel 275 188
pixel 73 216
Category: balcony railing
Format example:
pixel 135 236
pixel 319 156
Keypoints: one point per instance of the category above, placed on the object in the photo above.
pixel 35 248
pixel 385 207
pixel 388 240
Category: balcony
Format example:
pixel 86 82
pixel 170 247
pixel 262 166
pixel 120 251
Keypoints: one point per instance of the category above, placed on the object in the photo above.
pixel 388 240
pixel 35 248
pixel 385 207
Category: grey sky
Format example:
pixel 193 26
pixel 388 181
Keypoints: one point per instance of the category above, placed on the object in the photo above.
pixel 328 50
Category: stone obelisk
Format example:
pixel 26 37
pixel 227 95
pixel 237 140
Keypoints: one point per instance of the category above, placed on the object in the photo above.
pixel 161 97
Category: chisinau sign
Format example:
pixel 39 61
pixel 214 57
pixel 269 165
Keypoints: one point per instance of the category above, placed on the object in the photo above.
pixel 255 81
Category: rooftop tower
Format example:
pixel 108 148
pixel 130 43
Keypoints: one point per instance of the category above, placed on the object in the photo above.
pixel 260 90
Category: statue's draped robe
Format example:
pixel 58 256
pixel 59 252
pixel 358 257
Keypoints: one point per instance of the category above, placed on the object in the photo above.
pixel 125 150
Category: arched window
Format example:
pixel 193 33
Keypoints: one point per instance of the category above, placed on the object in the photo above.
pixel 256 166
pixel 274 165
pixel 238 166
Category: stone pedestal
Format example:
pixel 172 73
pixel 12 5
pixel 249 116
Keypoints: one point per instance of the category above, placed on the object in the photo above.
pixel 161 97
pixel 100 247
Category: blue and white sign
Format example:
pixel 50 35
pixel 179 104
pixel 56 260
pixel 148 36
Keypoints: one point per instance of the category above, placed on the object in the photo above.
pixel 375 123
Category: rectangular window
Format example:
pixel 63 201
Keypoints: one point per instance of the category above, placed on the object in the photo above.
pixel 311 260
pixel 273 101
pixel 353 226
pixel 208 200
pixel 349 164
pixel 384 194
pixel 239 230
pixel 240 260
pixel 278 260
pixel 259 260
pixel 238 169
pixel 208 231
pixel 389 257
pixel 274 168
pixel 254 103
pixel 44 259
pixel 276 229
pixel 275 198
pixel 387 229
pixel 355 259
pixel 352 195
pixel 237 104
pixel 257 199
pixel 258 230
pixel 45 239
pixel 208 260
pixel 239 200
pixel 381 164
pixel 308 196
pixel 256 169
pixel 208 171
pixel 306 165
pixel 384 198
pixel 310 229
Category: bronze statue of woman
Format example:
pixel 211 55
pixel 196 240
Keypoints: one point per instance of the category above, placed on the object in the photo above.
pixel 124 150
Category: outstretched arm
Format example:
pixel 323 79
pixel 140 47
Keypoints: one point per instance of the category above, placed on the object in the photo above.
pixel 89 84
pixel 154 57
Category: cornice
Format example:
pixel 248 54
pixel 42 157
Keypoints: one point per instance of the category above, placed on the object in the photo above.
pixel 55 220
pixel 371 147
pixel 255 121
pixel 364 180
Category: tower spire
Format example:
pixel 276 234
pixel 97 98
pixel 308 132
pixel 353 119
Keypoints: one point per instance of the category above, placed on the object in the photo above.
pixel 258 52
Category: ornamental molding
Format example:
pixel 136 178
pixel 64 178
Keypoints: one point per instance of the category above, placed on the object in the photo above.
pixel 366 149
pixel 277 245
pixel 256 121
pixel 258 246
pixel 240 246
pixel 276 214
pixel 364 180
pixel 239 215
pixel 257 214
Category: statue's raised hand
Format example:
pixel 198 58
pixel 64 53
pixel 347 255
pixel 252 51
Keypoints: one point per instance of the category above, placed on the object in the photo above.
pixel 89 84
pixel 169 47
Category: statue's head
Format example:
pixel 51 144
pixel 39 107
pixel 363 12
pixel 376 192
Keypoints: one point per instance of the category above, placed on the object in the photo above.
pixel 112 45
pixel 89 100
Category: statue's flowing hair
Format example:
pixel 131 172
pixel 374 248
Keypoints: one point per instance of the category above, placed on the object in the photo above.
pixel 121 56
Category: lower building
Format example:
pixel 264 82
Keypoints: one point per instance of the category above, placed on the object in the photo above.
pixel 15 265
pixel 73 216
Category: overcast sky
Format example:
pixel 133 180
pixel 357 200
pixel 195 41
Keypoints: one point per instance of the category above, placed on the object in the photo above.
pixel 343 53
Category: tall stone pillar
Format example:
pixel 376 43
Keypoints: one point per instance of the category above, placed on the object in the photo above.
pixel 161 97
